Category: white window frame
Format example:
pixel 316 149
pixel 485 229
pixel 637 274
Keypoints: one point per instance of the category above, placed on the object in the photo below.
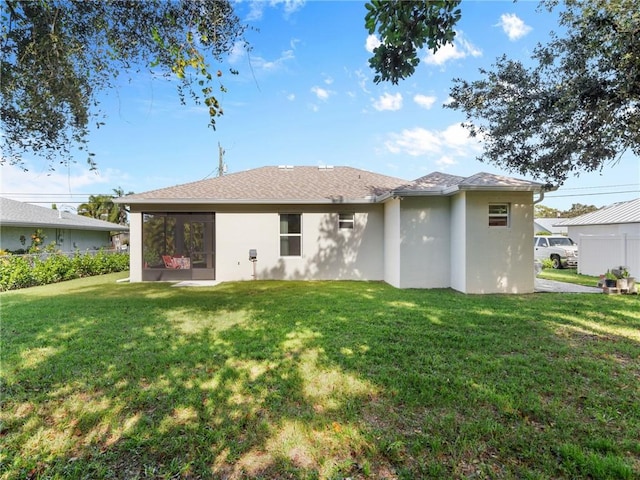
pixel 346 220
pixel 288 234
pixel 502 213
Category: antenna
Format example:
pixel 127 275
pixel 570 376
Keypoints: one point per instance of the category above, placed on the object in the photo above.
pixel 222 168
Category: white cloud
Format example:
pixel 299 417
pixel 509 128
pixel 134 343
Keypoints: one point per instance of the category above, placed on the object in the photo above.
pixel 424 101
pixel 457 138
pixel 371 43
pixel 260 63
pixel 237 52
pixel 451 143
pixel 291 97
pixel 446 161
pixel 449 101
pixel 388 102
pixel 415 142
pixel 328 80
pixel 513 26
pixel 290 6
pixel 256 8
pixel 61 186
pixel 461 48
pixel 362 81
pixel 321 93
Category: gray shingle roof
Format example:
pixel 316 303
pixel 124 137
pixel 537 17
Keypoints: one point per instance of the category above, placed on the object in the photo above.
pixel 304 184
pixel 20 214
pixel 553 225
pixel 493 181
pixel 623 212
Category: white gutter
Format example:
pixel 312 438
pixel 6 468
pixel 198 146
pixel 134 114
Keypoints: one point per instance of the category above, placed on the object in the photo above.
pixel 541 198
pixel 217 201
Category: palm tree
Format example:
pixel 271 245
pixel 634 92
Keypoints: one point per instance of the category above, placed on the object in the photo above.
pixel 120 211
pixel 98 206
pixel 103 208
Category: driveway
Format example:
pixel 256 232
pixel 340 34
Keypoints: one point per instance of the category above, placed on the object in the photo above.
pixel 551 286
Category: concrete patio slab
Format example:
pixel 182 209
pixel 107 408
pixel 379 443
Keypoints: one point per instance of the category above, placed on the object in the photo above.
pixel 551 286
pixel 197 283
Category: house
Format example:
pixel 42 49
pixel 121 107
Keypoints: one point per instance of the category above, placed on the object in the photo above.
pixel 549 226
pixel 472 234
pixel 19 221
pixel 607 238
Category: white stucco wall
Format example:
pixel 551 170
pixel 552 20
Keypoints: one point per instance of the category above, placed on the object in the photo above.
pixel 327 251
pixel 392 242
pixel 425 242
pixel 499 259
pixel 458 242
pixel 67 240
pixel 135 246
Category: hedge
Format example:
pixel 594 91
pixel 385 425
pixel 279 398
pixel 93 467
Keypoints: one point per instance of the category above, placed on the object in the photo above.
pixel 18 271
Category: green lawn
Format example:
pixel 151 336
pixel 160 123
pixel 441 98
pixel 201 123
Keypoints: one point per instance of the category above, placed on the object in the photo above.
pixel 316 380
pixel 569 275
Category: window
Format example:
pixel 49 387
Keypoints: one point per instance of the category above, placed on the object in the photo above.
pixel 290 235
pixel 499 215
pixel 345 221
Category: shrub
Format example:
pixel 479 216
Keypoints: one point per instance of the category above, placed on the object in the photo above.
pixel 15 272
pixel 546 263
pixel 27 271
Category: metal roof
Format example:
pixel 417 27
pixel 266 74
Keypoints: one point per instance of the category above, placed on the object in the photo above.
pixel 20 214
pixel 622 212
pixel 305 184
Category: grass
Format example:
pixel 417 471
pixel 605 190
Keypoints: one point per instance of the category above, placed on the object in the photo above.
pixel 569 275
pixel 316 380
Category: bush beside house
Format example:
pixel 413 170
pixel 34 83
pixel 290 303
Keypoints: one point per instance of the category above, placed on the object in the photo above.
pixel 22 271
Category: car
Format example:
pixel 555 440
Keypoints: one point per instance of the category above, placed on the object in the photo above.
pixel 561 250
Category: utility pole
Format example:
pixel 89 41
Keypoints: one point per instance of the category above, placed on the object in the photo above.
pixel 221 166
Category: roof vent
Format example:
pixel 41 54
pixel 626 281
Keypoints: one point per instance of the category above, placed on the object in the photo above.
pixel 325 167
pixel 285 167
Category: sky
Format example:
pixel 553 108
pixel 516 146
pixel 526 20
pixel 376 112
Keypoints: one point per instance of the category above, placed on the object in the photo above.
pixel 305 95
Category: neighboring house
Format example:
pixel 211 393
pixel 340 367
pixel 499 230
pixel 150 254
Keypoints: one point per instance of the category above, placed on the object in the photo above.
pixel 608 238
pixel 472 234
pixel 69 232
pixel 549 226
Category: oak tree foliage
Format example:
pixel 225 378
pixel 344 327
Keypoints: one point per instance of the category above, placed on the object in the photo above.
pixel 404 27
pixel 59 55
pixel 577 108
pixel 577 209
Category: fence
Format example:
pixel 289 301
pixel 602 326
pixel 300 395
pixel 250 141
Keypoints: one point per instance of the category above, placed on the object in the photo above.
pixel 599 253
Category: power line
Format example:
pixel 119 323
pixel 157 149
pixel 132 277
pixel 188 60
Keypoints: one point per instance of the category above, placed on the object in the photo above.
pixel 604 186
pixel 35 194
pixel 590 194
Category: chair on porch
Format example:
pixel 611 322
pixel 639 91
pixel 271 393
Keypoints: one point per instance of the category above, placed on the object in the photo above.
pixel 169 262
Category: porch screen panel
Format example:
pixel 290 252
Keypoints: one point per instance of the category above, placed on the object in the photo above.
pixel 158 239
pixel 185 240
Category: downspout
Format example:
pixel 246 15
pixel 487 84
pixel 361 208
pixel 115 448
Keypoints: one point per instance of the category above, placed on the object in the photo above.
pixel 541 198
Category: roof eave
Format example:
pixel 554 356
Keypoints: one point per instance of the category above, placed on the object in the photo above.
pixel 417 193
pixel 497 188
pixel 453 189
pixel 248 201
pixel 115 228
